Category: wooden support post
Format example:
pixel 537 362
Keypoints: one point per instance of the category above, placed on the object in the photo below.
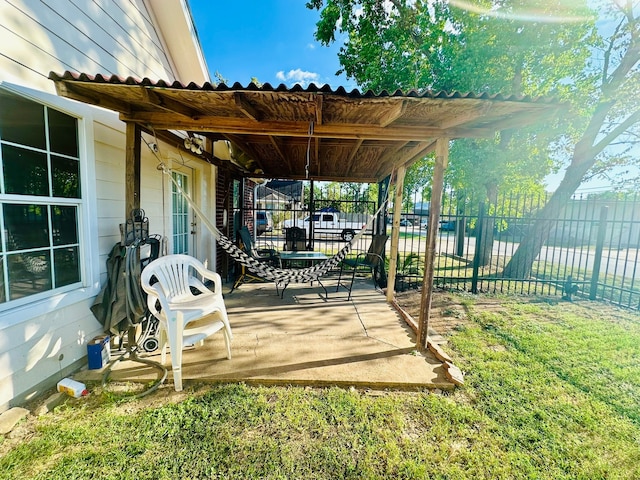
pixel 395 233
pixel 437 187
pixel 132 168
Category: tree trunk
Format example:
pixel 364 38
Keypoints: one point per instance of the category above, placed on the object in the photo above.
pixel 487 227
pixel 520 265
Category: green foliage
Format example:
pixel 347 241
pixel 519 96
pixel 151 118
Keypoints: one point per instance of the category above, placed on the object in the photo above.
pixel 551 392
pixel 503 47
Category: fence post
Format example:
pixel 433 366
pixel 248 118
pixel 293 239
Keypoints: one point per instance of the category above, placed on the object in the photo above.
pixel 602 230
pixel 460 229
pixel 478 249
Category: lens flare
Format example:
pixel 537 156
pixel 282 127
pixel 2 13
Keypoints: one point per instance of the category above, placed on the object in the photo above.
pixel 526 15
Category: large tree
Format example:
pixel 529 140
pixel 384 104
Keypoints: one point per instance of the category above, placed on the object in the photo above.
pixel 500 46
pixel 611 127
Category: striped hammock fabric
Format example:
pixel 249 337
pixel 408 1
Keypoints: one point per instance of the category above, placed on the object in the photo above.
pixel 263 270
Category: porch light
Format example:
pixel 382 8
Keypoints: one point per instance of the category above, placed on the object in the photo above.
pixel 194 144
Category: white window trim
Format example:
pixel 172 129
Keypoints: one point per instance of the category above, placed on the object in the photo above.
pixel 24 309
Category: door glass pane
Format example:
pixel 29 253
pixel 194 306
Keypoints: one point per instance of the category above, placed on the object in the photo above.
pixel 63 133
pixel 26 226
pixel 181 229
pixel 21 121
pixel 25 171
pixel 66 177
pixel 3 296
pixel 67 266
pixel 29 273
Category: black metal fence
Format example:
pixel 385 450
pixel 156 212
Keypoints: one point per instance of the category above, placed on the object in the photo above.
pixel 330 213
pixel 592 250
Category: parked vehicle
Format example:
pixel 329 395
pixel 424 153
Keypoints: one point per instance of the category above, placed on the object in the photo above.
pixel 264 222
pixel 448 225
pixel 329 223
pixel 405 223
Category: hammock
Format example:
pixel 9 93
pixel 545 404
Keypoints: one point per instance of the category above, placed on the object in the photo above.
pixel 277 275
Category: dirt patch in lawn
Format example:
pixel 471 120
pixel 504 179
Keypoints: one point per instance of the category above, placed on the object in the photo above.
pixel 448 313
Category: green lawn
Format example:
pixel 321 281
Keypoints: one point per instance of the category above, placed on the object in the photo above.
pixel 552 391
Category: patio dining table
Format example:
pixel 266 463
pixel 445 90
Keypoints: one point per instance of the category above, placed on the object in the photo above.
pixel 300 258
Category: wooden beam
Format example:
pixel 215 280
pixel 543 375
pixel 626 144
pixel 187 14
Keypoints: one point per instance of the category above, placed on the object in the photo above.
pixel 351 156
pixel 468 116
pixel 245 107
pixel 244 146
pixel 319 104
pixel 413 157
pixel 437 187
pixel 154 96
pixel 132 168
pixel 327 178
pixel 515 120
pixel 388 159
pixel 239 126
pixel 395 112
pixel 316 154
pixel 281 154
pixel 65 90
pixel 395 234
pixel 417 152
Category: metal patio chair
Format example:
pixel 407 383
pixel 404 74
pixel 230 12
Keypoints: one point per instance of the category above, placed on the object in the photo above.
pixel 370 261
pixel 269 256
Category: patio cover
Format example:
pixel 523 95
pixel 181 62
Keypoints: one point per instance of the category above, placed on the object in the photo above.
pixel 355 137
pixel 314 133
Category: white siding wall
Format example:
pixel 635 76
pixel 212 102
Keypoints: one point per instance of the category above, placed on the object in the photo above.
pixel 99 36
pixel 42 342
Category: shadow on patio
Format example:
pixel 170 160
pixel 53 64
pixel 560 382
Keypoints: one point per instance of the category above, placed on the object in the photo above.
pixel 305 339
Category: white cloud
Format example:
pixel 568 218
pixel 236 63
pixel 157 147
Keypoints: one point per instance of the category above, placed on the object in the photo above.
pixel 302 77
pixel 311 46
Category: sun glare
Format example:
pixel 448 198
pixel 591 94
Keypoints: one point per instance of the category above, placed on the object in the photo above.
pixel 531 14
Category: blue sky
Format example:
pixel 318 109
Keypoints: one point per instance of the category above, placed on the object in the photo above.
pixel 271 40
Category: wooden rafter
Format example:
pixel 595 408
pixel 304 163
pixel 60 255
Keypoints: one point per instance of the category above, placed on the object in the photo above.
pixel 155 97
pixel 394 113
pixel 245 107
pixel 246 148
pixel 70 91
pixel 356 136
pixel 278 148
pixel 406 160
pixel 319 101
pixel 466 117
pixel 389 157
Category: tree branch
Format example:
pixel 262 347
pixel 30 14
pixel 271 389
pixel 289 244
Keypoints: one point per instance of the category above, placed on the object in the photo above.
pixel 628 61
pixel 607 53
pixel 616 132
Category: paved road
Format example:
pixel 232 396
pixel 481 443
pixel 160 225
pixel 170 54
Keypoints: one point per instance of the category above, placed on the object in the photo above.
pixel 622 263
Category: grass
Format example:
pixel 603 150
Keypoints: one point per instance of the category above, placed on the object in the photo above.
pixel 552 391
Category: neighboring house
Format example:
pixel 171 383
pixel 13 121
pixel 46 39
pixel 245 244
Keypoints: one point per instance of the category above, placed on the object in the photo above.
pixel 270 199
pixel 62 192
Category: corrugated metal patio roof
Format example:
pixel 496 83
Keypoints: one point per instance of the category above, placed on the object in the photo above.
pixel 314 132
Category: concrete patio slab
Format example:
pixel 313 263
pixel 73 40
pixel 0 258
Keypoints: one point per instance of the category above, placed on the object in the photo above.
pixel 305 339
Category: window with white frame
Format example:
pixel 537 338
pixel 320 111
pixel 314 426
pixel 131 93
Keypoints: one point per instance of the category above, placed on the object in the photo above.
pixel 40 199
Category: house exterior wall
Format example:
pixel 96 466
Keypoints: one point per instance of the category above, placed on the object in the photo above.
pixel 43 340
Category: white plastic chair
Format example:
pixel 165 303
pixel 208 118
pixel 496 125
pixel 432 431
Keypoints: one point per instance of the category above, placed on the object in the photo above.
pixel 179 307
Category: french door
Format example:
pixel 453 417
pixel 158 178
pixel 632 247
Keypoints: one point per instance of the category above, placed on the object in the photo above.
pixel 183 228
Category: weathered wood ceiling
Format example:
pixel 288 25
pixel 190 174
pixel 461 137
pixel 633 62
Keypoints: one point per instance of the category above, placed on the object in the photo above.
pixel 315 133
